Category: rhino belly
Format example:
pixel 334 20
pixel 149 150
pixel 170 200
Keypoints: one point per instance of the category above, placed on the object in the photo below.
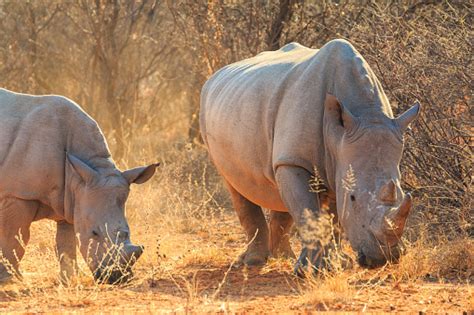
pixel 244 172
pixel 240 146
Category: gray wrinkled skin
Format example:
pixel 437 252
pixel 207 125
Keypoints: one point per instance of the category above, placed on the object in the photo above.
pixel 268 120
pixel 55 164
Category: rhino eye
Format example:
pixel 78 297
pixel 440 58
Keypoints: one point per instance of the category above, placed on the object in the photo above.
pixel 94 232
pixel 353 198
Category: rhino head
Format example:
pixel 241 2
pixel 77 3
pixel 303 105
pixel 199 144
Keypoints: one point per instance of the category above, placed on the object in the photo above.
pixel 97 200
pixel 363 154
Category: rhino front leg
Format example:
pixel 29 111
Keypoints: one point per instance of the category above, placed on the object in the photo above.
pixel 66 248
pixel 253 221
pixel 280 228
pixel 16 216
pixel 293 183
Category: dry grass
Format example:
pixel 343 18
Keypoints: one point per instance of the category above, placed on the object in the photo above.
pixel 191 236
pixel 418 49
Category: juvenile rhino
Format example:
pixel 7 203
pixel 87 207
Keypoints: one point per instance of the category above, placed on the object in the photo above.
pixel 55 164
pixel 269 120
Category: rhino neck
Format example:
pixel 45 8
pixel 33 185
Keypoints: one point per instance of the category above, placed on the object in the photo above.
pixel 69 201
pixel 86 141
pixel 351 80
pixel 330 167
pixel 355 85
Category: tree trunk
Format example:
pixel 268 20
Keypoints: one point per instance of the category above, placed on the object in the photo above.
pixel 194 134
pixel 284 15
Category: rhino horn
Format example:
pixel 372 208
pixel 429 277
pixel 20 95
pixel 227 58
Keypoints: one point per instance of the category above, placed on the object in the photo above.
pixel 388 192
pixel 394 221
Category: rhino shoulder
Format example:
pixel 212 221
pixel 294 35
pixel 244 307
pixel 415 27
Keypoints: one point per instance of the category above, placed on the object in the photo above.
pixel 84 129
pixel 340 50
pixel 288 48
pixel 59 115
pixel 292 46
pixel 27 105
pixel 61 105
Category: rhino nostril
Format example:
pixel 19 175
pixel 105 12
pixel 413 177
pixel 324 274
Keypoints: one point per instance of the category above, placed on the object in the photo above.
pixel 122 235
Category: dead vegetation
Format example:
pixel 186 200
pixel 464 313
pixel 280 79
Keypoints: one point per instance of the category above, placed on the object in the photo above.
pixel 137 67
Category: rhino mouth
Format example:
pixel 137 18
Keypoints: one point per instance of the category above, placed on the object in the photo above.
pixel 369 263
pixel 114 276
pixel 116 266
pixel 389 254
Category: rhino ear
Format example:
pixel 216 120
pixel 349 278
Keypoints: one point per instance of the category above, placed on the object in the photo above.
pixel 407 117
pixel 337 116
pixel 139 175
pixel 86 173
pixel 348 121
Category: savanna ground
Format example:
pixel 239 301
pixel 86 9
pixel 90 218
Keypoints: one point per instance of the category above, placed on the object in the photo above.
pixel 137 68
pixel 193 238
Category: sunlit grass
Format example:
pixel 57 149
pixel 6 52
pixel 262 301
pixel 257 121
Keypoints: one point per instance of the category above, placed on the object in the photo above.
pixel 192 237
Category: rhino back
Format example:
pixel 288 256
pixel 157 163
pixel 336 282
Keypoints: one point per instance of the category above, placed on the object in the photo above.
pixel 35 133
pixel 248 110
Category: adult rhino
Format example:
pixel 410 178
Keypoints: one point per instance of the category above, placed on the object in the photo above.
pixel 55 164
pixel 269 120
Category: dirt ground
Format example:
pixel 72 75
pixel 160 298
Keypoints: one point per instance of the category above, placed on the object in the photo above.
pixel 192 273
pixel 257 291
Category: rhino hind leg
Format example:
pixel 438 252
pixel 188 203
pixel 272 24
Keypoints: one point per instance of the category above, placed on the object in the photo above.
pixel 280 230
pixel 16 216
pixel 255 226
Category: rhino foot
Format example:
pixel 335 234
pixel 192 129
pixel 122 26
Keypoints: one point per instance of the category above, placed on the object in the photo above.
pixel 5 276
pixel 253 257
pixel 315 260
pixel 310 261
pixel 284 252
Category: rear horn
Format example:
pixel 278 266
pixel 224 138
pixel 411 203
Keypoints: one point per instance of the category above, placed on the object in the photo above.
pixel 388 192
pixel 394 220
